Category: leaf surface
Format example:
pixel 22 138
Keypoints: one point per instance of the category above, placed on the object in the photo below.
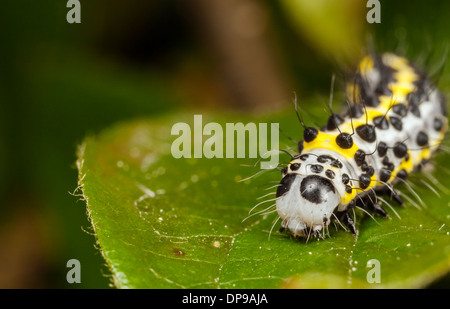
pixel 163 222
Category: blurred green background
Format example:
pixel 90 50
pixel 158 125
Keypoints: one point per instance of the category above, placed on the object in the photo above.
pixel 132 59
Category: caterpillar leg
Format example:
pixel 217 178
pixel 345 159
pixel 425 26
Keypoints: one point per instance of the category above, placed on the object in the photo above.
pixel 376 208
pixel 392 194
pixel 369 203
pixel 344 217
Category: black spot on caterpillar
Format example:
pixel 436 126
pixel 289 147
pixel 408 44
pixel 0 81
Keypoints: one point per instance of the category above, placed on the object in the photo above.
pixel 395 121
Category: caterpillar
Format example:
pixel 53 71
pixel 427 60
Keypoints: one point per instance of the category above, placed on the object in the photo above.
pixel 394 123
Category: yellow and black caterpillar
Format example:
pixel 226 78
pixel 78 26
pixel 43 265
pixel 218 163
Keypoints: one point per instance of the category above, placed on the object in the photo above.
pixel 395 121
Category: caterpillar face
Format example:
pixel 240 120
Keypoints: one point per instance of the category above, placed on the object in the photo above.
pixel 306 202
pixel 396 120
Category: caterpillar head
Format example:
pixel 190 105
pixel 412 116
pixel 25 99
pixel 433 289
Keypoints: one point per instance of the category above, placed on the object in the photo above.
pixel 305 203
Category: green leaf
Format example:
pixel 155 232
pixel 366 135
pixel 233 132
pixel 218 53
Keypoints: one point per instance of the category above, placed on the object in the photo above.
pixel 162 222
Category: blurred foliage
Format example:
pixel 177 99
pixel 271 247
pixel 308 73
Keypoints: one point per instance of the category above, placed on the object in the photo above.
pixel 60 82
pixel 55 90
pixel 339 34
